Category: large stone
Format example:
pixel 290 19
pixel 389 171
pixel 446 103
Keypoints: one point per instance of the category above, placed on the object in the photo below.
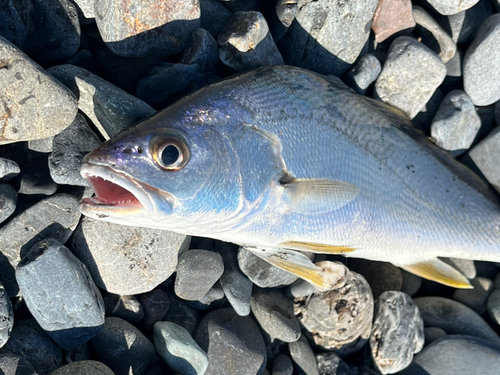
pixel 485 156
pixel 84 368
pixel 392 16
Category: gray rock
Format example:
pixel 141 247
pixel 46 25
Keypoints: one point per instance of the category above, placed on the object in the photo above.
pixel 176 346
pixel 485 156
pixel 69 148
pixel 303 356
pixel 183 315
pixel 29 341
pixel 53 217
pixel 381 276
pixel 397 333
pixel 8 169
pixel 432 334
pixel 8 201
pixel 202 50
pixel 281 17
pixel 454 65
pixel 41 145
pixel 123 348
pixel 331 364
pixel 84 368
pixel 454 318
pixel 448 7
pixel 465 266
pixel 456 355
pixel 346 327
pixel 493 305
pixel 215 294
pixel 364 73
pixel 110 109
pixel 282 365
pixel 300 288
pixel 456 123
pixel 274 312
pixel 35 179
pixel 410 75
pixel 16 17
pixel 411 283
pixel 155 304
pixel 11 364
pixel 233 343
pixel 86 9
pixel 475 298
pixel 37 106
pixel 246 43
pixel 125 307
pixel 237 288
pixel 60 294
pixel 448 48
pixel 127 260
pixel 309 43
pixel 6 316
pixel 464 25
pixel 482 64
pixel 159 28
pixel 214 16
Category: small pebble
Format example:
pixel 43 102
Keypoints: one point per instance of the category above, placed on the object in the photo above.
pixel 448 7
pixel 485 156
pixel 465 266
pixel 464 25
pixel 432 334
pixel 84 368
pixel 8 169
pixel 11 364
pixel 183 315
pixel 155 305
pixel 8 201
pixel 391 17
pixel 176 346
pixel 35 179
pixel 300 288
pixel 282 365
pixel 303 357
pixel 6 316
pixel 331 364
pixel 364 73
pixel 475 298
pixel 126 307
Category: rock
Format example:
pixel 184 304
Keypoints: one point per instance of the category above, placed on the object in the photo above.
pixel 69 148
pixel 110 109
pixel 84 368
pixel 475 298
pixel 8 201
pixel 454 66
pixel 241 5
pixel 202 50
pixel 215 294
pixel 159 28
pixel 465 266
pixel 448 48
pixel 454 318
pixel 214 16
pixel 6 316
pixel 84 59
pixel 300 288
pixel 482 64
pixel 53 217
pixel 303 356
pixel 432 334
pixel 464 25
pixel 411 283
pixel 11 364
pixel 155 304
pixel 364 73
pixel 37 106
pixel 456 123
pixel 281 17
pixel 8 169
pixel 381 276
pixel 338 320
pixel 397 333
pixel 35 179
pixel 274 312
pixel 448 7
pixel 29 341
pixel 424 118
pixel 127 260
pixel 282 365
pixel 16 16
pixel 493 305
pixel 176 346
pixel 311 35
pixel 485 156
pixel 410 75
pixel 85 10
pixel 456 355
pixel 183 315
pixel 125 307
pixel 246 43
pixel 80 353
pixel 391 17
pixel 233 343
pixel 64 300
pixel 331 364
pixel 123 348
pixel 41 145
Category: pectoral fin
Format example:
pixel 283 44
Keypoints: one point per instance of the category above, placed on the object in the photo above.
pixel 318 196
pixel 316 247
pixel 438 271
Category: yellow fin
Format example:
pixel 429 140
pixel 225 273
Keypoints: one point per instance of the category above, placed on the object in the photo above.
pixel 316 248
pixel 438 271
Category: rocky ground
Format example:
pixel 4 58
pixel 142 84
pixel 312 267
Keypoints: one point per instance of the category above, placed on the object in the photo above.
pixel 79 296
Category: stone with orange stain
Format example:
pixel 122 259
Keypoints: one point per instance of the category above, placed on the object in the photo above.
pixel 392 16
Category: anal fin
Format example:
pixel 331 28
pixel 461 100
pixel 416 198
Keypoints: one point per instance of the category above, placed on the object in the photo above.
pixel 438 271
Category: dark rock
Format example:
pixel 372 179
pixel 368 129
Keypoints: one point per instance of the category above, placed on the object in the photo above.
pixel 281 17
pixel 391 17
pixel 202 50
pixel 84 368
pixel 16 17
pixel 6 316
pixel 485 156
pixel 331 364
pixel 475 298
pixel 493 305
pixel 448 7
pixel 8 169
pixel 8 201
pixel 83 59
pixel 381 276
pixel 464 25
pixel 411 283
pixel 303 356
pixel 11 364
pixel 282 365
pixel 432 334
pixel 80 353
pixel 183 315
pixel 124 307
pixel 465 266
pixel 241 5
pixel 155 304
pixel 35 179
pixel 214 16
pixel 364 73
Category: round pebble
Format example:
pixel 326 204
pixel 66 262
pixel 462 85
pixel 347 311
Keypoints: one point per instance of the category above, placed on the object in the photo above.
pixel 8 169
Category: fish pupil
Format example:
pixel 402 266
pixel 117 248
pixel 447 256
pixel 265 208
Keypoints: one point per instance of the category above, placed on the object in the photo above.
pixel 170 155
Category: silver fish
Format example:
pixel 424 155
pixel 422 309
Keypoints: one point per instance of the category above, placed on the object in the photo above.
pixel 281 159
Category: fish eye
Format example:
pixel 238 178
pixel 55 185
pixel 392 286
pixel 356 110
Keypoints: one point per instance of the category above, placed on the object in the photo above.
pixel 170 153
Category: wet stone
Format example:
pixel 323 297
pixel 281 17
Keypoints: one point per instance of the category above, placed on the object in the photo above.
pixel 35 99
pixel 233 343
pixel 346 327
pixel 84 368
pixel 392 16
pixel 183 315
pixel 397 333
pixel 16 16
pixel 274 312
pixel 8 169
pixel 303 357
pixel 69 148
pixel 246 43
pixel 127 260
pixel 431 334
pixel 35 179
pixel 493 305
pixel 53 217
pixel 485 156
pixel 214 16
pixel 11 364
pixel 125 307
pixel 282 365
pixel 159 28
pixel 6 316
pixel 202 50
pixel 464 25
pixel 331 364
pixel 482 64
pixel 155 304
pixel 8 201
pixel 364 73
pixel 178 349
pixel 110 109
pixel 475 298
pixel 410 75
pixel 448 7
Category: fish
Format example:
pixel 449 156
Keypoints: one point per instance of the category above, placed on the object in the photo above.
pixel 281 161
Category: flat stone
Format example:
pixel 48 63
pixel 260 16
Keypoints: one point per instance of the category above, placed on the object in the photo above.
pixel 125 307
pixel 69 148
pixel 233 343
pixel 127 260
pixel 493 305
pixel 84 368
pixel 8 201
pixel 448 7
pixel 155 304
pixel 8 169
pixel 485 157
pixel 176 346
pixel 282 365
pixel 454 317
pixel 11 364
pixel 6 316
pixel 159 28
pixel 410 75
pixel 110 109
pixel 330 363
pixel 464 25
pixel 475 298
pixel 391 17
pixel 214 16
pixel 381 276
pixel 482 64
pixel 53 217
pixel 16 16
pixel 364 73
pixel 303 356
pixel 397 333
pixel 37 105
pixel 35 179
pixel 183 315
pixel 202 50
